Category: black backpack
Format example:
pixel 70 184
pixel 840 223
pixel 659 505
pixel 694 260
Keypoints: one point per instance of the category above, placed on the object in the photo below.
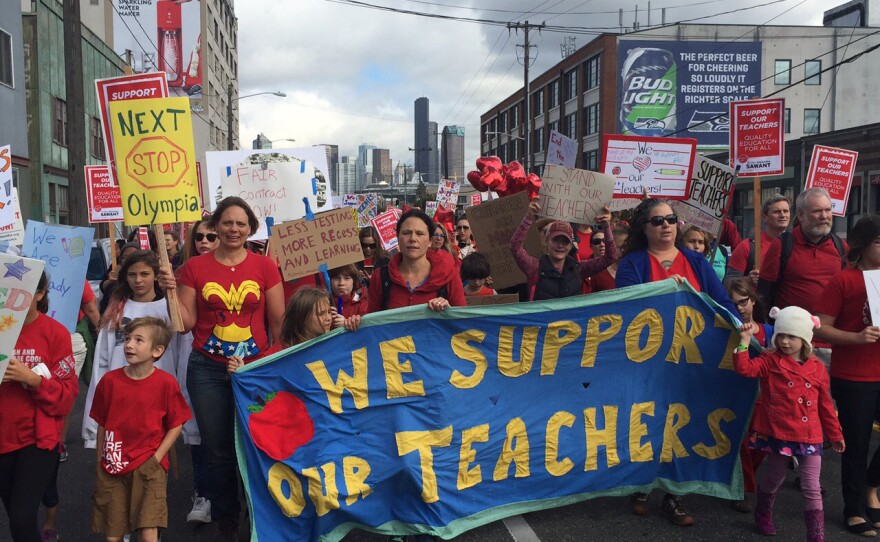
pixel 385 275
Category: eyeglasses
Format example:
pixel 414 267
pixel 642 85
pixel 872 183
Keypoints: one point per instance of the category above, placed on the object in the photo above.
pixel 439 236
pixel 370 246
pixel 743 302
pixel 659 220
pixel 597 240
pixel 201 236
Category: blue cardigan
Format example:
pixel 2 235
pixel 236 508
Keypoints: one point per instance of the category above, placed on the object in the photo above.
pixel 635 268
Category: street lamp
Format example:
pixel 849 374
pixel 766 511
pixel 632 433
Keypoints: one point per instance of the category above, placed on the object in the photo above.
pixel 229 143
pixel 283 139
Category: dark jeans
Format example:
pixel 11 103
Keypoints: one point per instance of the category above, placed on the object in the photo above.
pixel 24 475
pixel 858 405
pixel 210 390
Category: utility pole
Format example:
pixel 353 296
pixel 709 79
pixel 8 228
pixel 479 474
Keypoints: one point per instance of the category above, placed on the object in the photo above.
pixel 75 133
pixel 526 109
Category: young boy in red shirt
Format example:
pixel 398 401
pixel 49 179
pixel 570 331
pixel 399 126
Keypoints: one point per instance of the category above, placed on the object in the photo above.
pixel 140 413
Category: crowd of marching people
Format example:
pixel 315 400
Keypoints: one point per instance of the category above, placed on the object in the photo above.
pixel 806 333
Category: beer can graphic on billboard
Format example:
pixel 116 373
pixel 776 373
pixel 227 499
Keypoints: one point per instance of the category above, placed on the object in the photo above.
pixel 649 84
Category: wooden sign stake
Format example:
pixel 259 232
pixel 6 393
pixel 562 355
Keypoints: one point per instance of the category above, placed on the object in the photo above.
pixel 113 255
pixel 170 296
pixel 757 207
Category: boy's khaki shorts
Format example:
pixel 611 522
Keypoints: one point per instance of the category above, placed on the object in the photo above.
pixel 124 503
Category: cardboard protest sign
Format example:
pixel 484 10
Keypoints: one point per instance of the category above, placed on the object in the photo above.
pixel 431 208
pixel 437 423
pixel 18 282
pixel 710 195
pixel 275 189
pixel 447 193
pixel 128 87
pixel 386 227
pixel 7 213
pixel 303 246
pixel 757 137
pixel 561 150
pixel 367 209
pixel 218 166
pixel 497 299
pixel 660 165
pixel 156 160
pixel 65 251
pixel 492 225
pixel 104 198
pixel 574 195
pixel 832 169
pixel 13 233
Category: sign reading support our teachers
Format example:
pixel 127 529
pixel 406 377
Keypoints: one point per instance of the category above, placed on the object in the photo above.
pixel 155 160
pixel 441 422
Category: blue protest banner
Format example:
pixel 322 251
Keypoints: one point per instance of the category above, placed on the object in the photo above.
pixel 441 422
pixel 65 251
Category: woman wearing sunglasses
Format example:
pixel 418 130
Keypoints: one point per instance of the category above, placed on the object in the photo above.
pixel 650 255
pixel 374 255
pixel 202 240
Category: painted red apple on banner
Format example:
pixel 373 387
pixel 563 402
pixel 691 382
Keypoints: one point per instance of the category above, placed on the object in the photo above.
pixel 280 424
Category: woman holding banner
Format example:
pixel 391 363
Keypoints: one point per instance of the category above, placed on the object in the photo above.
pixel 650 255
pixel 229 299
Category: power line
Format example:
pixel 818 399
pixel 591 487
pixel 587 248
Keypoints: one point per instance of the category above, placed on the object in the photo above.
pixel 472 8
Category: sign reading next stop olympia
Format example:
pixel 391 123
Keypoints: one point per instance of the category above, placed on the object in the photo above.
pixel 440 422
pixel 155 160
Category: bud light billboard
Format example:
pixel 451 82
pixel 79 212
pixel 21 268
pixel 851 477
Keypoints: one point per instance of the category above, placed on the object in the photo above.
pixel 683 88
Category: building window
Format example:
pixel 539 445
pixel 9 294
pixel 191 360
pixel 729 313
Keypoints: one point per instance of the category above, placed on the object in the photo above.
pixel 538 140
pixel 786 120
pixel 571 85
pixel 554 94
pixel 502 153
pixel 59 127
pixel 812 121
pixel 97 138
pixel 813 72
pixel 591 160
pixel 502 122
pixel 539 102
pixel 5 58
pixel 571 125
pixel 782 72
pixel 514 116
pixel 58 208
pixel 591 119
pixel 554 126
pixel 514 150
pixel 591 73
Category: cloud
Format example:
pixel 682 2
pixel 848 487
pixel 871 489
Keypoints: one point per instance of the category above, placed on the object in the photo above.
pixel 352 74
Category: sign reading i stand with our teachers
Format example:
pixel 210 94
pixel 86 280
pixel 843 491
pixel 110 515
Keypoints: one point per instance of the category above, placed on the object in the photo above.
pixel 18 282
pixel 65 250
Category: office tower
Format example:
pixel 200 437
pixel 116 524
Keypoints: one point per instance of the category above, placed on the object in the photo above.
pixel 452 152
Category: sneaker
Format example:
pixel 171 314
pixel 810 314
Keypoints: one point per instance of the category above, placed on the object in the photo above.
pixel 201 511
pixel 639 504
pixel 675 511
pixel 62 453
pixel 49 535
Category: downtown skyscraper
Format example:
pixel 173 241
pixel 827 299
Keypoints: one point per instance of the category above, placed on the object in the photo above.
pixel 426 150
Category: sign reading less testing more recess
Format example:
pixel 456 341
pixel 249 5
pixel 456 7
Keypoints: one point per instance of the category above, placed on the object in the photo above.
pixel 155 159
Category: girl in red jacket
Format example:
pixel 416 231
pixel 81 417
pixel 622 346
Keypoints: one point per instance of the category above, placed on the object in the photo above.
pixel 793 411
pixel 38 390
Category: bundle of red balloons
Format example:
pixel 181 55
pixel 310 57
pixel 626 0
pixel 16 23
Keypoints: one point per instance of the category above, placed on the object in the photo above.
pixel 503 179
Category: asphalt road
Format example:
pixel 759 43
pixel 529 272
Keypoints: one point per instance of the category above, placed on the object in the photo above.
pixel 605 519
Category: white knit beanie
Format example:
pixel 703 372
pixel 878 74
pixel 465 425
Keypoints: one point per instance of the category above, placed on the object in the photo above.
pixel 794 321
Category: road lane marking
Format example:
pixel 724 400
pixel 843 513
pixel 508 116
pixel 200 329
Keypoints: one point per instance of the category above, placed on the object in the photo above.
pixel 520 530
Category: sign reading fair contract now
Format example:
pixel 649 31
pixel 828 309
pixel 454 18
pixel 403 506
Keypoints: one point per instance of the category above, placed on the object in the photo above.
pixel 155 159
pixel 832 169
pixel 757 137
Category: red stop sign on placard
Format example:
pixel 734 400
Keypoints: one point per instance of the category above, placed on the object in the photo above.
pixel 157 162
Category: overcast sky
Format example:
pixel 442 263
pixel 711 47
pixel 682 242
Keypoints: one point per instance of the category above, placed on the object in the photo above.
pixel 351 74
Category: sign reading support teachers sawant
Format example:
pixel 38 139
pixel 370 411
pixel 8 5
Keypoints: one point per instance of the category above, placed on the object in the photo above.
pixel 441 422
pixel 155 160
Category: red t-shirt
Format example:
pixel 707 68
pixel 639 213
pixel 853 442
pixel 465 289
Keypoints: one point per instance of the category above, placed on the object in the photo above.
pixel 585 251
pixel 808 270
pixel 231 303
pixel 602 281
pixel 87 296
pixel 136 415
pixel 739 258
pixel 846 300
pixel 485 290
pixel 36 416
pixel 680 266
